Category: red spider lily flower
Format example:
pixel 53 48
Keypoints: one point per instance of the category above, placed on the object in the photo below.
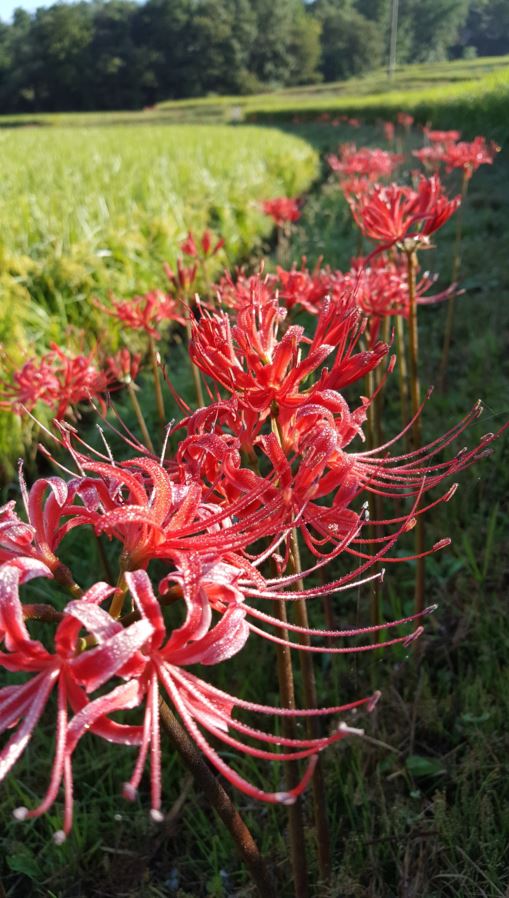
pixel 253 363
pixel 405 120
pixel 35 382
pixel 389 131
pixel 396 214
pixel 73 673
pixel 282 209
pixel 201 706
pixel 380 289
pixel 234 293
pixel 58 380
pixel 155 515
pixel 145 312
pixel 183 278
pixel 38 539
pixel 123 367
pixel 469 155
pixel 442 136
pixel 431 157
pixel 306 288
pixel 364 162
pixel 206 249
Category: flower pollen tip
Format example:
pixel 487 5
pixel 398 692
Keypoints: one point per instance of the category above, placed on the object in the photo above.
pixel 430 609
pixel 129 792
pixel 156 816
pixel 349 731
pixel 413 636
pixel 373 701
pixel 20 813
pixel 59 837
pixel 285 798
pixel 442 544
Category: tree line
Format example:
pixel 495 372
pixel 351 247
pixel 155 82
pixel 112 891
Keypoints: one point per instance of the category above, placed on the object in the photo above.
pixel 118 54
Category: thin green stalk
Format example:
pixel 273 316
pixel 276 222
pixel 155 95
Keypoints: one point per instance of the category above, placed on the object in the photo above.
pixel 157 381
pixel 455 272
pixel 311 701
pixel 131 389
pixel 403 370
pixel 295 819
pixel 415 391
pixel 371 429
pixel 220 801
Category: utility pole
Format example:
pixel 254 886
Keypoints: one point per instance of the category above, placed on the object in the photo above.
pixel 393 38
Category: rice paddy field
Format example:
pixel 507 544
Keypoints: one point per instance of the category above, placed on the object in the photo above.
pixel 419 809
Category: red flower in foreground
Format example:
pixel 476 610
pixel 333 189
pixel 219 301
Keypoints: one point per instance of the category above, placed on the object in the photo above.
pixel 21 706
pixel 395 214
pixel 282 209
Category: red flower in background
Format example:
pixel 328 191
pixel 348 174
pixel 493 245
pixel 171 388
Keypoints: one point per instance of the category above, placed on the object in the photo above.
pixel 389 131
pixel 441 136
pixel 144 312
pixel 123 367
pixel 206 247
pixel 405 119
pixel 282 209
pixel 397 213
pixel 58 380
pixel 365 162
pixel 469 155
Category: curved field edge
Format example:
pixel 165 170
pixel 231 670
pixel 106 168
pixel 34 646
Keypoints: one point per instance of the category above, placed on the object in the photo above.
pixel 89 211
pixel 471 105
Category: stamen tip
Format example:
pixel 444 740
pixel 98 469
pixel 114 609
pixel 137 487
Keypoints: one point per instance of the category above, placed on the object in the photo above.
pixel 373 701
pixel 285 798
pixel 59 837
pixel 156 816
pixel 413 636
pixel 430 609
pixel 20 813
pixel 442 544
pixel 349 731
pixel 129 792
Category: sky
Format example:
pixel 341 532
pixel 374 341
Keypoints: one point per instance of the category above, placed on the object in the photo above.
pixel 7 7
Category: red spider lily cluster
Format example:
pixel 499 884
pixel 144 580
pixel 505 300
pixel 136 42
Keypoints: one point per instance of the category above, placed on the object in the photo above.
pixel 446 148
pixel 357 169
pixel 57 380
pixel 280 456
pixel 282 210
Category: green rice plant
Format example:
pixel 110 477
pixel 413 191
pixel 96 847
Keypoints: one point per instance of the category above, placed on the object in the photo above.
pixel 90 211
